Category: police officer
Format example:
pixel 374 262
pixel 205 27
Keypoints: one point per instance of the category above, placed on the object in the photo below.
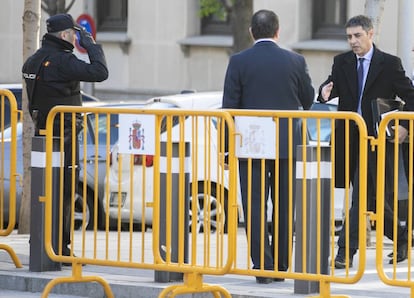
pixel 52 75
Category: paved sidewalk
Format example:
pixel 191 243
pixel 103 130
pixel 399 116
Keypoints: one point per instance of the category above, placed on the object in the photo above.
pixel 137 283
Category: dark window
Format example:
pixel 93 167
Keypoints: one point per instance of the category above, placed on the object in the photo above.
pixel 329 19
pixel 217 23
pixel 112 15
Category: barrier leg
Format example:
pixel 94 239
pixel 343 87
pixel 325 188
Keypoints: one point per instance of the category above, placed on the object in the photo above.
pixel 12 254
pixel 76 278
pixel 193 283
pixel 325 291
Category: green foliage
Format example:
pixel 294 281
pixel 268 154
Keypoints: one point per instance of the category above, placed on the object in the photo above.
pixel 212 7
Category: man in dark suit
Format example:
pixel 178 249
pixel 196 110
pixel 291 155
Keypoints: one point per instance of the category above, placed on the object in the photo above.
pixel 358 77
pixel 266 76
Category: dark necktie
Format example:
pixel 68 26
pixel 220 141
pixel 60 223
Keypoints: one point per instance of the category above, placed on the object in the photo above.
pixel 360 71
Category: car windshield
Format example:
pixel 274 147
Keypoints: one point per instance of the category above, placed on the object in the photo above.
pixel 98 125
pixel 325 124
pixel 163 105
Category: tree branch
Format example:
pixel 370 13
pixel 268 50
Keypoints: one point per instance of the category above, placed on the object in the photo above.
pixel 70 5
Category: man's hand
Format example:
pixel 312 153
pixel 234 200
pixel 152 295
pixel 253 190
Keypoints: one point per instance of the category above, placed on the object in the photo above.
pixel 402 134
pixel 85 39
pixel 326 91
pixel 223 157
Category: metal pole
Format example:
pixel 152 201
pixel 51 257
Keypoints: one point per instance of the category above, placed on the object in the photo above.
pixel 310 245
pixel 39 260
pixel 161 276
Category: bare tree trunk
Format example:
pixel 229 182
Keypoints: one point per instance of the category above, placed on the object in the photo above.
pixel 31 29
pixel 52 7
pixel 239 14
pixel 375 10
pixel 240 17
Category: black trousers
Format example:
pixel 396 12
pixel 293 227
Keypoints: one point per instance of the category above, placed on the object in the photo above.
pixel 407 158
pixel 371 201
pixel 70 172
pixel 258 220
pixel 71 162
pixel 71 178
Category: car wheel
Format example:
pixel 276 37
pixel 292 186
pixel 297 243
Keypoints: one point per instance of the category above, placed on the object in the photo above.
pixel 80 221
pixel 208 211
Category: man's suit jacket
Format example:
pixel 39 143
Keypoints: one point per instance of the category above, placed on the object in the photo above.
pixel 266 76
pixel 386 79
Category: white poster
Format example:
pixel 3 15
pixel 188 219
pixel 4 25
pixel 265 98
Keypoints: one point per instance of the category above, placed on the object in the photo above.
pixel 137 134
pixel 256 137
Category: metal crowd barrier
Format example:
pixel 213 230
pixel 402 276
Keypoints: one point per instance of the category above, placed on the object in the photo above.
pixel 309 188
pixel 152 155
pixel 184 146
pixel 8 145
pixel 392 274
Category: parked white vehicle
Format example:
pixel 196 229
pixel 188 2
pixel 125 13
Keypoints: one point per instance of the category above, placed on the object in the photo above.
pixel 119 176
pixel 122 181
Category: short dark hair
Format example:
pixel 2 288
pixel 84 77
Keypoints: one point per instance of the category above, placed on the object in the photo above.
pixel 364 21
pixel 265 24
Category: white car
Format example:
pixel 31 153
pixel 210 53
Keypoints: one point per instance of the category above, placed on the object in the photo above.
pixel 121 180
pixel 120 183
pixel 120 176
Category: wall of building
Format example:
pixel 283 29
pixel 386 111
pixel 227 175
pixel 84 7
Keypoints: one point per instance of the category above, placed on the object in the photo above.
pixel 11 35
pixel 11 40
pixel 161 52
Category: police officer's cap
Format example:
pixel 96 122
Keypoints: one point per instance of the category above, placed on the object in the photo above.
pixel 61 22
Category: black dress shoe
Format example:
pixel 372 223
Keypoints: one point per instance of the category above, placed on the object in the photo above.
pixel 340 259
pixel 263 280
pixel 66 252
pixel 340 262
pixel 391 254
pixel 278 279
pixel 402 253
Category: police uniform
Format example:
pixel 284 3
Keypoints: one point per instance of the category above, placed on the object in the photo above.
pixel 52 75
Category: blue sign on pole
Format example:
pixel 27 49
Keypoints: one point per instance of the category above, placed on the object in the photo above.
pixel 88 23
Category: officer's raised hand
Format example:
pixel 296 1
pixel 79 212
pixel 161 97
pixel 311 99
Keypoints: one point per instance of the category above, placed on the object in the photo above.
pixel 85 39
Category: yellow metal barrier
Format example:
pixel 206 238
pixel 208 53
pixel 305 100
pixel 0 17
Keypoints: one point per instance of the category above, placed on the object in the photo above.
pixel 189 147
pixel 8 151
pixel 393 274
pixel 255 128
pixel 140 204
pixel 145 189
